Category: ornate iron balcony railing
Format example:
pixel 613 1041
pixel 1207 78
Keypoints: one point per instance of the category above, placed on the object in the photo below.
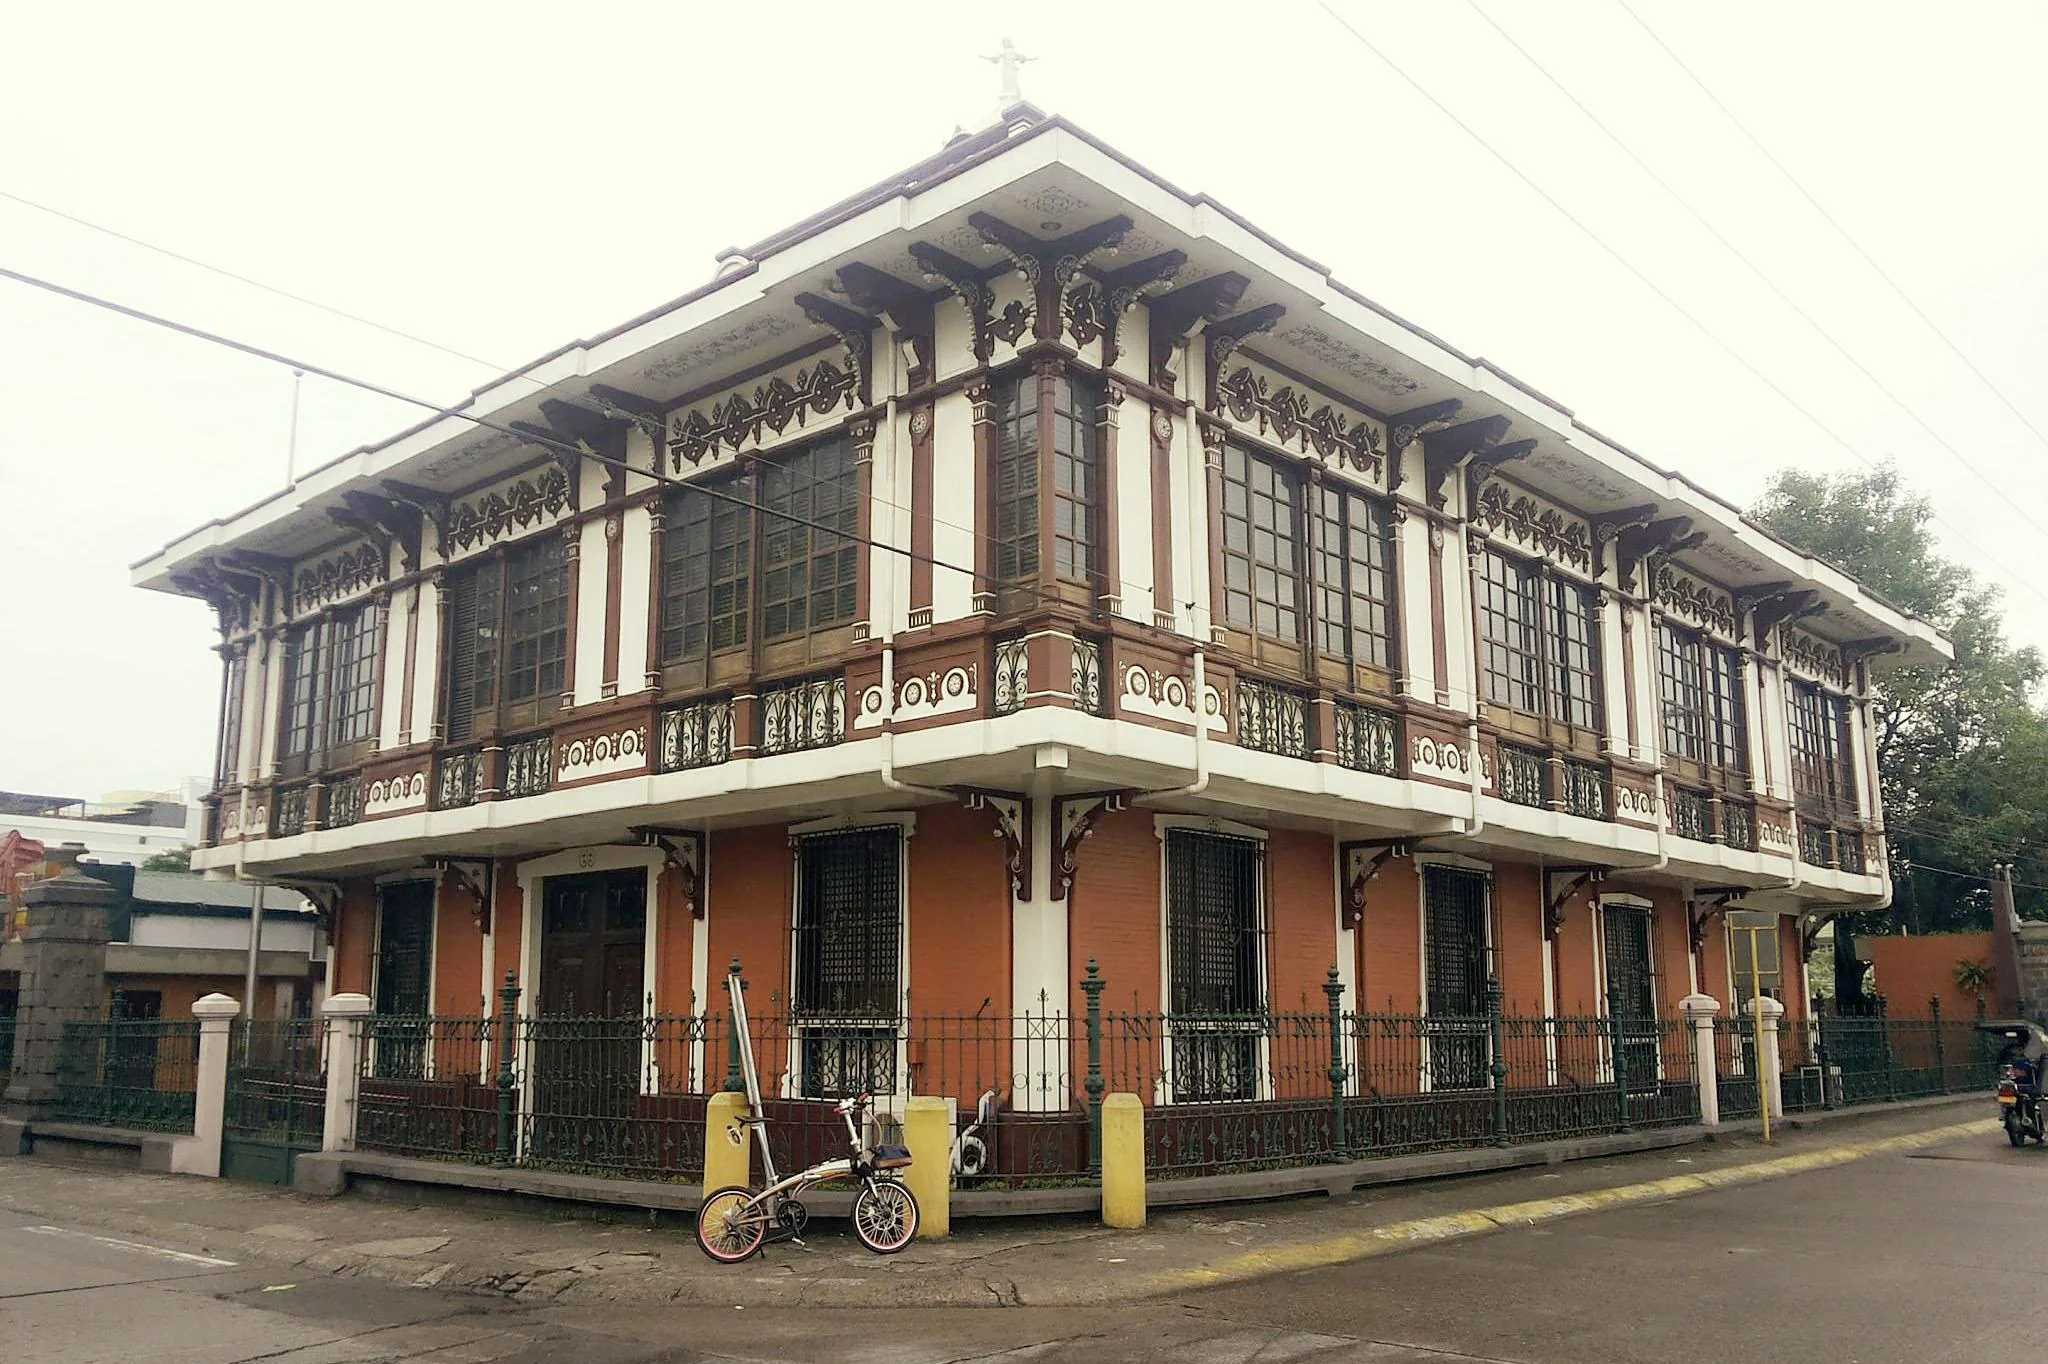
pixel 1738 825
pixel 1816 844
pixel 807 713
pixel 1585 791
pixel 529 766
pixel 1087 678
pixel 1013 675
pixel 1691 815
pixel 696 735
pixel 456 779
pixel 344 802
pixel 1521 775
pixel 1849 852
pixel 1271 719
pixel 1368 740
pixel 288 812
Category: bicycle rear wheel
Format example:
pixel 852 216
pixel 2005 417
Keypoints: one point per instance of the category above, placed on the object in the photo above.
pixel 728 1230
pixel 885 1216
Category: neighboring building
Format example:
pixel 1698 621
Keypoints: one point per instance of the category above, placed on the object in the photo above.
pixel 176 937
pixel 122 826
pixel 1233 628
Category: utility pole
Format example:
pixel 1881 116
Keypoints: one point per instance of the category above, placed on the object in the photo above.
pixel 249 982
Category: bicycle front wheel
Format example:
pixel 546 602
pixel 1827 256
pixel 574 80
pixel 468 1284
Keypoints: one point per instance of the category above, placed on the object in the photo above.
pixel 885 1216
pixel 728 1229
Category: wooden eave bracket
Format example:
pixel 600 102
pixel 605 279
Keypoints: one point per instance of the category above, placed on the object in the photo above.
pixel 473 877
pixel 1012 813
pixel 1225 335
pixel 682 853
pixel 1858 650
pixel 906 307
pixel 433 508
pixel 371 529
pixel 855 330
pixel 1121 289
pixel 1074 818
pixel 1783 609
pixel 271 568
pixel 966 281
pixel 1553 905
pixel 1176 313
pixel 1441 451
pixel 393 519
pixel 1492 460
pixel 1361 860
pixel 1707 904
pixel 1639 542
pixel 1610 526
pixel 325 895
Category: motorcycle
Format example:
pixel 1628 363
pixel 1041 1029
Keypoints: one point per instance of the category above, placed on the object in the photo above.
pixel 2022 1067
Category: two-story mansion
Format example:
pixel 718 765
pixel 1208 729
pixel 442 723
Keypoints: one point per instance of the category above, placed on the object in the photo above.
pixel 1020 562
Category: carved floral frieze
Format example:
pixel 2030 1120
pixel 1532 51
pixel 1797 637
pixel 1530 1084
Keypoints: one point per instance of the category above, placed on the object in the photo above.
pixel 1700 603
pixel 1527 521
pixel 1165 696
pixel 501 511
pixel 924 696
pixel 601 755
pixel 740 417
pixel 394 794
pixel 339 575
pixel 1293 417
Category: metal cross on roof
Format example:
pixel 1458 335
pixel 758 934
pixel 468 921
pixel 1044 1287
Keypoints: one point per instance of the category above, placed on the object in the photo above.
pixel 1007 60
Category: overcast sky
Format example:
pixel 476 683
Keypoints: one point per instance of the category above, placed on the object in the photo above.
pixel 501 178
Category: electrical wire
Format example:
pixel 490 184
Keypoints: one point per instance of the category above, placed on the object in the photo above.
pixel 1776 290
pixel 1830 220
pixel 1655 288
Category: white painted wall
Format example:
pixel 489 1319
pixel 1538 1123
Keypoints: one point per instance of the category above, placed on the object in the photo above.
pixel 955 485
pixel 1134 508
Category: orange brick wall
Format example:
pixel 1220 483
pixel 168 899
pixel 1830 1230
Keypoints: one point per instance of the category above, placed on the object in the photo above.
pixel 508 906
pixel 1113 913
pixel 1909 971
pixel 458 955
pixel 1301 919
pixel 1714 965
pixel 1390 941
pixel 673 937
pixel 1577 990
pixel 355 938
pixel 959 954
pixel 1518 936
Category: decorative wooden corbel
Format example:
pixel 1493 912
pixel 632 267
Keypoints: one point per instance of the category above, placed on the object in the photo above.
pixel 966 282
pixel 856 331
pixel 1049 266
pixel 1441 451
pixel 1609 526
pixel 1361 860
pixel 271 568
pixel 1221 339
pixel 1120 292
pixel 1781 609
pixel 433 508
pixel 325 895
pixel 1175 314
pixel 1855 651
pixel 1553 905
pixel 1639 542
pixel 904 306
pixel 1706 905
pixel 1012 812
pixel 682 852
pixel 474 877
pixel 395 519
pixel 1405 428
pixel 370 528
pixel 1493 459
pixel 1074 818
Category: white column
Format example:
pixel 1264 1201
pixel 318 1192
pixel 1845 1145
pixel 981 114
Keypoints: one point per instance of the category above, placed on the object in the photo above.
pixel 1038 956
pixel 1769 1083
pixel 344 1065
pixel 199 1154
pixel 1699 1011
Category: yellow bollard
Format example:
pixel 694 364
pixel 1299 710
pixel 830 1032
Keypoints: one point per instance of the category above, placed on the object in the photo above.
pixel 928 1132
pixel 1123 1161
pixel 728 1146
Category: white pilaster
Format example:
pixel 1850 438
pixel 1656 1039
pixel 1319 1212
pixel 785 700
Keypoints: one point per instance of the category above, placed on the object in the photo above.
pixel 1038 957
pixel 345 1014
pixel 199 1154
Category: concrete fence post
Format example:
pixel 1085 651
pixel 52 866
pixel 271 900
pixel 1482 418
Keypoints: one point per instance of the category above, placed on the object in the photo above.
pixel 928 1132
pixel 199 1154
pixel 1770 1084
pixel 345 1015
pixel 1699 1011
pixel 1123 1161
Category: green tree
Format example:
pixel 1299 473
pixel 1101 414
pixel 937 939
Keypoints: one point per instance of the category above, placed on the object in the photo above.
pixel 1962 751
pixel 175 859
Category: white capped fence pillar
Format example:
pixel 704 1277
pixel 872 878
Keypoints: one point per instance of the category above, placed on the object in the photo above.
pixel 1769 1084
pixel 345 1015
pixel 199 1154
pixel 1699 1011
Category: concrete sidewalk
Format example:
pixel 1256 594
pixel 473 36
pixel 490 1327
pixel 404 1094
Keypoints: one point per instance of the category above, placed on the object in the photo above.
pixel 548 1255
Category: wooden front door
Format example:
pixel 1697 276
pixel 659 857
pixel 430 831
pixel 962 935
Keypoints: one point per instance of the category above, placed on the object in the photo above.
pixel 588 1049
pixel 405 965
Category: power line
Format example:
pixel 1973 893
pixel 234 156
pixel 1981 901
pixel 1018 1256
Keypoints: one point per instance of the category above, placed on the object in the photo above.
pixel 1831 221
pixel 1644 279
pixel 1742 256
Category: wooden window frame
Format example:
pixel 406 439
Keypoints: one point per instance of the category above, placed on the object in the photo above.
pixel 503 714
pixel 227 765
pixel 1244 603
pixel 1557 668
pixel 714 663
pixel 1364 657
pixel 1824 776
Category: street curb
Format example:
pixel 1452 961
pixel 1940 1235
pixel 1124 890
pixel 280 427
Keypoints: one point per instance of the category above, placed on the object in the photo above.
pixel 1397 1236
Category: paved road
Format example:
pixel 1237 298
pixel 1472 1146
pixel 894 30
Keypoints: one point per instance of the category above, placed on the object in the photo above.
pixel 1923 1258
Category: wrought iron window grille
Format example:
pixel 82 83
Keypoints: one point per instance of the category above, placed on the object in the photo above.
pixel 807 713
pixel 696 735
pixel 1087 676
pixel 529 766
pixel 1271 719
pixel 1523 780
pixel 1368 740
pixel 456 779
pixel 1013 674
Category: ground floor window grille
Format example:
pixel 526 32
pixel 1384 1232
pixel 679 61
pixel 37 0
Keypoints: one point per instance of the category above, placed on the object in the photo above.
pixel 846 996
pixel 1454 977
pixel 1631 990
pixel 1215 922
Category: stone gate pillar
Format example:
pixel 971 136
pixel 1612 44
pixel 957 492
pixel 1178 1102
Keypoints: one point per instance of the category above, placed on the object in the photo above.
pixel 63 976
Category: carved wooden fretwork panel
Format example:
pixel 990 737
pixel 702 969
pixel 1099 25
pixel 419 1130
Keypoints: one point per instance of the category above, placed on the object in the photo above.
pixel 339 575
pixel 520 504
pixel 1813 657
pixel 1535 525
pixel 1697 603
pixel 1302 419
pixel 765 411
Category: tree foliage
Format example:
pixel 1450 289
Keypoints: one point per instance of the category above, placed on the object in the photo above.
pixel 1962 751
pixel 172 859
